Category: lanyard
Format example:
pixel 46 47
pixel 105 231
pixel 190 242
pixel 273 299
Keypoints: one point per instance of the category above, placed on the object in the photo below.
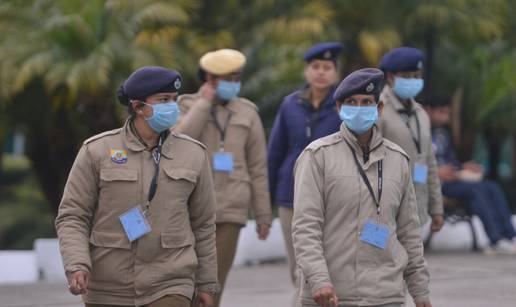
pixel 367 182
pixel 417 141
pixel 156 156
pixel 221 129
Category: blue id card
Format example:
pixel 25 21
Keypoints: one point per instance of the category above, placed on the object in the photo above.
pixel 223 162
pixel 420 173
pixel 135 224
pixel 375 234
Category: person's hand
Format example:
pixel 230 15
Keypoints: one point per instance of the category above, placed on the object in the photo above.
pixel 203 299
pixel 326 297
pixel 208 92
pixel 263 231
pixel 447 173
pixel 437 222
pixel 423 303
pixel 474 167
pixel 78 282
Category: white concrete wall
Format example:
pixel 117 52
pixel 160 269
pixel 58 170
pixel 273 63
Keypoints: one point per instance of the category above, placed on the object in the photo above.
pixel 18 267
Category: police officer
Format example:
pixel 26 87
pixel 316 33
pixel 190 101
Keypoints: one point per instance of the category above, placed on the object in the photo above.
pixel 406 123
pixel 356 233
pixel 233 133
pixel 136 223
pixel 305 115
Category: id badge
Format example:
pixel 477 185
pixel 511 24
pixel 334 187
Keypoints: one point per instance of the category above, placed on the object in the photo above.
pixel 420 173
pixel 135 224
pixel 223 162
pixel 375 234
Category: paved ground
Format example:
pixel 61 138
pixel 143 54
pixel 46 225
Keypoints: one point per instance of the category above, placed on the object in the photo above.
pixel 458 280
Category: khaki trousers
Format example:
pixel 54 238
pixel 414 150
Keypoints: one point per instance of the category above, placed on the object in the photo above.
pixel 285 216
pixel 166 301
pixel 226 241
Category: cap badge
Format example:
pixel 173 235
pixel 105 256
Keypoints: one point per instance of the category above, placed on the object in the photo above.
pixel 327 54
pixel 370 87
pixel 420 65
pixel 177 83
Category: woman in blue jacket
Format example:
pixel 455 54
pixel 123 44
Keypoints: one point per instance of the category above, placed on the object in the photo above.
pixel 304 116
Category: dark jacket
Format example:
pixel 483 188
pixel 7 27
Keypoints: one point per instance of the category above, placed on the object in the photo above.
pixel 297 124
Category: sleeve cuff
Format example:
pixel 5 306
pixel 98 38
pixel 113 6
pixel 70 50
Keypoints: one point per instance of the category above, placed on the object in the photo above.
pixel 211 288
pixel 264 219
pixel 316 282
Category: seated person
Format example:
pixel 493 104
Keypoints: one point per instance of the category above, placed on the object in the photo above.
pixel 464 182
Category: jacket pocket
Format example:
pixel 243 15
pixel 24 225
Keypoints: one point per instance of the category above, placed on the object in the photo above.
pixel 181 174
pixel 118 174
pixel 111 256
pixel 118 189
pixel 109 239
pixel 176 239
pixel 177 258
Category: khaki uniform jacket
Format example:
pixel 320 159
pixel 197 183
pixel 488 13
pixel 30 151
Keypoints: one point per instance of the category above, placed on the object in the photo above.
pixel 179 250
pixel 394 128
pixel 247 185
pixel 331 205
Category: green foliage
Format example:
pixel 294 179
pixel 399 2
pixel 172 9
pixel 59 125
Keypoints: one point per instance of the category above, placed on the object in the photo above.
pixel 61 61
pixel 25 214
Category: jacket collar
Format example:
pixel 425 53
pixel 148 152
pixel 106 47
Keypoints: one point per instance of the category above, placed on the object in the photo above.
pixel 388 97
pixel 305 96
pixel 132 142
pixel 376 150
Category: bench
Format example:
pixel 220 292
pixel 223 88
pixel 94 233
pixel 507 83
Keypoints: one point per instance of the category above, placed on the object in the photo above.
pixel 455 212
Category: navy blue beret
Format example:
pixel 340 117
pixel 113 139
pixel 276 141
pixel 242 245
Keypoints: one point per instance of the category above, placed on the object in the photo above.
pixel 323 51
pixel 363 81
pixel 402 59
pixel 147 81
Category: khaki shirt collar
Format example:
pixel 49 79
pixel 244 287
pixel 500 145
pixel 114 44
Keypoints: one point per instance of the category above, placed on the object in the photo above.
pixel 376 150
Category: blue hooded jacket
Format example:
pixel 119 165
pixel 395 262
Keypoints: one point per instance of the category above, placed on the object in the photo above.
pixel 297 124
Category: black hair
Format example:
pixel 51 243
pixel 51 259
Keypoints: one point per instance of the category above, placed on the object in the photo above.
pixel 125 100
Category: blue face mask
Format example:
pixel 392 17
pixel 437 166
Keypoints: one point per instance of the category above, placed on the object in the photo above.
pixel 164 116
pixel 228 90
pixel 407 88
pixel 358 119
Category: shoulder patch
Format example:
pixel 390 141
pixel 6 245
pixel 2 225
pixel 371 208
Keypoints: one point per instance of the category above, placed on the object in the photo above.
pixel 394 147
pixel 101 135
pixel 325 141
pixel 186 137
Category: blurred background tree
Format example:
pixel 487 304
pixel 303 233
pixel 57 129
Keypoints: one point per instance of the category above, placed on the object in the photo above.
pixel 61 62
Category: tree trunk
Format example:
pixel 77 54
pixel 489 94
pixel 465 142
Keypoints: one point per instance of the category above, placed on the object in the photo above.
pixel 430 42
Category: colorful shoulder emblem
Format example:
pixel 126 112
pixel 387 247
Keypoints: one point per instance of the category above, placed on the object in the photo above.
pixel 118 156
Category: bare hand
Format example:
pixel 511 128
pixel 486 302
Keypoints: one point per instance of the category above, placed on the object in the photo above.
pixel 447 173
pixel 203 299
pixel 473 167
pixel 437 222
pixel 263 231
pixel 78 282
pixel 423 303
pixel 208 92
pixel 326 297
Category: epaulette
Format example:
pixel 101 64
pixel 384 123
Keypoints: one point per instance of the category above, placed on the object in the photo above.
pixel 101 135
pixel 249 103
pixel 394 147
pixel 186 137
pixel 325 141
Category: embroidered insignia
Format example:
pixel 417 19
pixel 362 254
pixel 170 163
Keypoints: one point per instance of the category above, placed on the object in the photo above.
pixel 177 83
pixel 118 156
pixel 370 87
pixel 327 55
pixel 420 65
